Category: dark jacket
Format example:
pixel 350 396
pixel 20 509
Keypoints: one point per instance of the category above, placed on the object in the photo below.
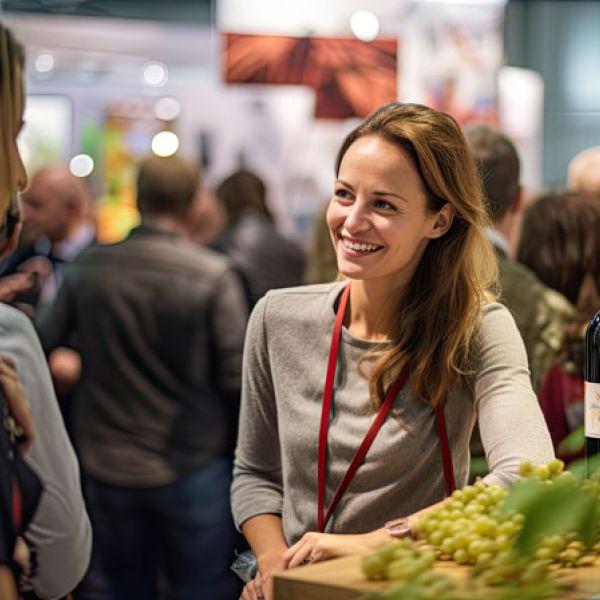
pixel 541 314
pixel 264 259
pixel 161 325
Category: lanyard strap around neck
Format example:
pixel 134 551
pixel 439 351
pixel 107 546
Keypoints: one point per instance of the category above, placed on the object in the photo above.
pixel 322 519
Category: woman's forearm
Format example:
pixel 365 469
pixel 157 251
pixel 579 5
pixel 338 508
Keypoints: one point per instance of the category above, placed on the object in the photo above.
pixel 265 536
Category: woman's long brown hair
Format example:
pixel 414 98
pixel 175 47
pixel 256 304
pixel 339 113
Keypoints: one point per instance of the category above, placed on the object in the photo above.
pixel 11 73
pixel 439 312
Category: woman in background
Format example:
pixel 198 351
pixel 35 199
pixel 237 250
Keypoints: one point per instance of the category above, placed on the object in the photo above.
pixel 411 336
pixel 263 258
pixel 560 243
pixel 57 535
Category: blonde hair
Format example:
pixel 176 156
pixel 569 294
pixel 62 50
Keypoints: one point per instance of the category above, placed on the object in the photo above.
pixel 12 61
pixel 440 310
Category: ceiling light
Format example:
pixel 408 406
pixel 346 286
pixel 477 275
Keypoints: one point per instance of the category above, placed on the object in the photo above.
pixel 167 108
pixel 155 74
pixel 165 143
pixel 44 62
pixel 81 165
pixel 364 25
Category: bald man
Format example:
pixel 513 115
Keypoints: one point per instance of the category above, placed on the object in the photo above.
pixel 56 228
pixel 584 172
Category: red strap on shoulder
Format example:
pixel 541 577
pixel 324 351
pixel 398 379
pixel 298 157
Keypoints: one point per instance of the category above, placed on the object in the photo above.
pixel 326 408
pixel 322 519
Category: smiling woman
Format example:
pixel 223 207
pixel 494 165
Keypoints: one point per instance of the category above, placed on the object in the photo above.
pixel 360 396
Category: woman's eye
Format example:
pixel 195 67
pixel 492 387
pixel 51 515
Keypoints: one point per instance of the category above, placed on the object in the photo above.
pixel 384 204
pixel 343 194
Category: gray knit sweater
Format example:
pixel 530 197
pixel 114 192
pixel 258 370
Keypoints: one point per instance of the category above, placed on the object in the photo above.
pixel 285 359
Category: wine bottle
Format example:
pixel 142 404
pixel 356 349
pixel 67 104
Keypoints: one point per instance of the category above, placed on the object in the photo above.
pixel 591 376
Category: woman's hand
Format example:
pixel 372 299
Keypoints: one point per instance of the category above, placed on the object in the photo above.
pixel 253 590
pixel 261 587
pixel 315 547
pixel 17 403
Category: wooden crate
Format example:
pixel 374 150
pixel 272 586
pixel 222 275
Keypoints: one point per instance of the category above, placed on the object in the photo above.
pixel 342 579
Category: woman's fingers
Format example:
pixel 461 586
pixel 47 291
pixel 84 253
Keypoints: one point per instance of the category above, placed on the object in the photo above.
pixel 17 403
pixel 303 555
pixel 253 590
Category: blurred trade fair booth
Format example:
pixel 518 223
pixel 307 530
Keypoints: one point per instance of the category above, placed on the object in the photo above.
pixel 270 85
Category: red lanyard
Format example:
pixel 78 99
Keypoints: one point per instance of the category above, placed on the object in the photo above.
pixel 373 430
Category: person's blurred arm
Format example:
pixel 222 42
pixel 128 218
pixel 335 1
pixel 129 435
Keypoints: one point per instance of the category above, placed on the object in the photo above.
pixel 59 535
pixel 230 315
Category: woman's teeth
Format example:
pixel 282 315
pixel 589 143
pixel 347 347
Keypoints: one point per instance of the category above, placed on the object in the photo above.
pixel 360 247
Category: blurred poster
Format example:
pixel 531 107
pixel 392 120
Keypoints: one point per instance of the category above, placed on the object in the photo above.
pixel 47 133
pixel 350 77
pixel 452 59
pixel 127 136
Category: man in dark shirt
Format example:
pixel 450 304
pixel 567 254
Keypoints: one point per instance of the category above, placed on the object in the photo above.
pixel 541 314
pixel 161 325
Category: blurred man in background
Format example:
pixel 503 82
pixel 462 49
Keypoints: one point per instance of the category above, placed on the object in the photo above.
pixel 56 229
pixel 540 312
pixel 584 172
pixel 161 324
pixel 263 258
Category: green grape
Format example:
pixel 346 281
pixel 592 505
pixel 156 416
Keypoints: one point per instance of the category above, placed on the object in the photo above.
pixel 543 472
pixel 485 558
pixel 436 537
pixel 556 466
pixel 545 553
pixel 374 566
pixel 386 553
pixel 526 468
pixel 447 546
pixel 401 570
pixel 461 556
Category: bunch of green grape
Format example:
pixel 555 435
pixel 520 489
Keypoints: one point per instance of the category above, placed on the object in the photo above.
pixel 467 526
pixel 543 472
pixel 402 560
pixel 428 585
pixel 470 528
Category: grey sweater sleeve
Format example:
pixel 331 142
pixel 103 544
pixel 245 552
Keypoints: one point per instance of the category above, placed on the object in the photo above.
pixel 511 422
pixel 257 486
pixel 60 533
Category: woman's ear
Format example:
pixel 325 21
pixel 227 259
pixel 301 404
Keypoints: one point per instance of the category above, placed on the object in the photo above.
pixel 443 220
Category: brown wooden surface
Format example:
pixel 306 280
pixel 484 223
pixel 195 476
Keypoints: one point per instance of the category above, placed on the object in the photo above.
pixel 342 579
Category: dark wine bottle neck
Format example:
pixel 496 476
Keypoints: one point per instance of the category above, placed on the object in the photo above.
pixel 591 367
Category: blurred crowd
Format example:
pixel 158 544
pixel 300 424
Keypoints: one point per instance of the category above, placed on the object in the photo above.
pixel 144 341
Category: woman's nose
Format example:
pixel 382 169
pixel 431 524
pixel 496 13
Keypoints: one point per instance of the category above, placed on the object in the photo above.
pixel 357 219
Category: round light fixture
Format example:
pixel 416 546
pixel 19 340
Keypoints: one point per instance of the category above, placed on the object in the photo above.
pixel 81 165
pixel 364 25
pixel 165 143
pixel 44 62
pixel 167 108
pixel 155 74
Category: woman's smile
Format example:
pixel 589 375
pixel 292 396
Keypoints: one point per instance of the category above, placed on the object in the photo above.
pixel 357 247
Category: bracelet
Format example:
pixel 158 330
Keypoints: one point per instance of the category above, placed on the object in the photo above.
pixel 398 528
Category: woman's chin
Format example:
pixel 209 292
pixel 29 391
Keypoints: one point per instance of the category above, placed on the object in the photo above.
pixel 351 272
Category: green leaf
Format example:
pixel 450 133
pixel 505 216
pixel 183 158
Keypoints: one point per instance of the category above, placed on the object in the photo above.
pixel 557 508
pixel 573 443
